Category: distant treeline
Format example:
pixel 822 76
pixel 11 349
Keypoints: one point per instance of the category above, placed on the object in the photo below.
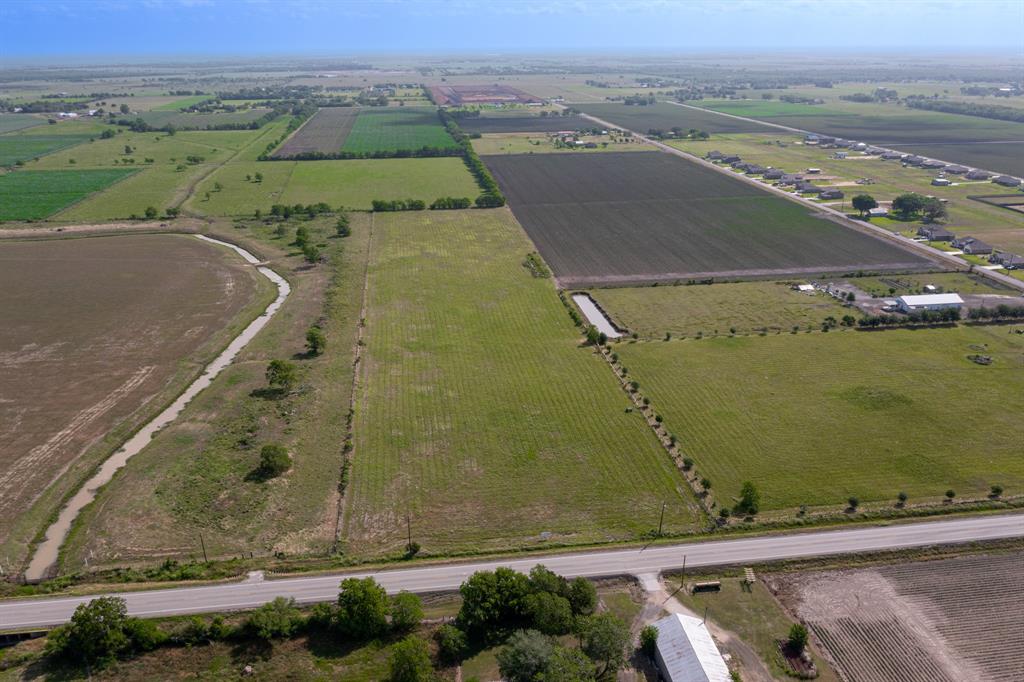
pixel 439 204
pixel 139 125
pixel 422 152
pixel 996 111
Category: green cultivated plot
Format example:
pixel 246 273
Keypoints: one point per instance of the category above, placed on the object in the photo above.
pixel 30 195
pixel 397 129
pixel 12 122
pixel 182 103
pixel 479 414
pixel 14 148
pixel 160 118
pixel 816 418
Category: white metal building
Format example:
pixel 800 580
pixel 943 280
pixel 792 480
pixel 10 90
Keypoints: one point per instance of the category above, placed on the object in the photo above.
pixel 929 302
pixel 687 653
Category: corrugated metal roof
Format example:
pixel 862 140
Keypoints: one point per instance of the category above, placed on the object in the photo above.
pixel 931 299
pixel 687 652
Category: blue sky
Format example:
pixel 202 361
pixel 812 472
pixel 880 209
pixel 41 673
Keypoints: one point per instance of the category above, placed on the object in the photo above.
pixel 44 28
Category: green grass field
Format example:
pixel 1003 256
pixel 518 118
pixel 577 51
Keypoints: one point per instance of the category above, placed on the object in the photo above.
pixel 539 143
pixel 710 310
pixel 31 195
pixel 479 414
pixel 161 117
pixel 353 183
pixel 182 103
pixel 14 148
pixel 397 128
pixel 11 122
pixel 815 418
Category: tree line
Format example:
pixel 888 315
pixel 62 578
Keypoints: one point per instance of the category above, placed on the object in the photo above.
pixel 490 196
pixel 999 112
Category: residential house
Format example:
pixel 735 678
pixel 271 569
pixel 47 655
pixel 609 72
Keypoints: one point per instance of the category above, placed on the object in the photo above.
pixel 773 174
pixel 754 169
pixel 790 178
pixel 830 193
pixel 714 155
pixel 1010 261
pixel 932 164
pixel 891 156
pixel 1006 180
pixel 913 160
pixel 807 188
pixel 956 169
pixel 935 233
pixel 972 246
pixel 977 174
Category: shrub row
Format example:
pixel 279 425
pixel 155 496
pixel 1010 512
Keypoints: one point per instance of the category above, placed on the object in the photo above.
pixel 1000 312
pixel 914 318
pixel 491 196
pixel 422 152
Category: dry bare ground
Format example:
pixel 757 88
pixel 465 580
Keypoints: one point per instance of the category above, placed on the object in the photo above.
pixel 952 619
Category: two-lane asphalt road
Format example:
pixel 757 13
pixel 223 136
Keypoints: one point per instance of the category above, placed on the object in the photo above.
pixel 638 562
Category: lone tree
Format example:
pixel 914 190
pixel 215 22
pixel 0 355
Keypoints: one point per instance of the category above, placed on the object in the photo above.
pixel 908 205
pixel 603 639
pixel 281 374
pixel 902 498
pixel 100 631
pixel 864 203
pixel 362 608
pixel 274 460
pixel 316 340
pixel 950 494
pixel 750 500
pixel 853 502
pixel 342 226
pixel 797 640
pixel 151 212
pixel 311 253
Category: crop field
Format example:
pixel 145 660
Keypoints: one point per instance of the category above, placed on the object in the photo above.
pixel 928 621
pixel 14 148
pixel 186 121
pixel 11 122
pixel 665 116
pixel 543 450
pixel 745 307
pixel 182 103
pixel 31 195
pixel 470 94
pixel 524 124
pixel 631 217
pixel 397 129
pixel 747 403
pixel 354 183
pixel 542 143
pixel 969 140
pixel 324 132
pixel 95 329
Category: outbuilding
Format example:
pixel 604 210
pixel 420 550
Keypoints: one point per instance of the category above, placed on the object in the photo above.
pixel 941 182
pixel 687 653
pixel 878 212
pixel 929 302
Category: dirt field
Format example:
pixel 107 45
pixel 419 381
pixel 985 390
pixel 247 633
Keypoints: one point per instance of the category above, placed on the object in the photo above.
pixel 93 330
pixel 524 124
pixel 953 619
pixel 618 218
pixel 325 132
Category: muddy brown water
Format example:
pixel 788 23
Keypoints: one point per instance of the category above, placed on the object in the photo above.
pixel 45 556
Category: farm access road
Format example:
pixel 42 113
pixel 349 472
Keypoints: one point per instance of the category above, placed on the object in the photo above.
pixel 840 217
pixel 645 563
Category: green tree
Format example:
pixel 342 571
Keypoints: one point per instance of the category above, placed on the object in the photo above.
pixel 649 640
pixel 125 109
pixel 316 340
pixel 277 619
pixel 281 374
pixel 797 639
pixel 172 211
pixel 549 612
pixel 258 177
pixel 274 460
pixel 569 665
pixel 406 612
pixel 582 596
pixel 362 608
pixel 526 656
pixel 950 494
pixel 410 661
pixel 342 226
pixel 451 644
pixel 908 205
pixel 301 236
pixel 864 203
pixel 493 602
pixel 604 638
pixel 854 502
pixel 95 635
pixel 310 253
pixel 151 212
pixel 750 500
pixel 933 210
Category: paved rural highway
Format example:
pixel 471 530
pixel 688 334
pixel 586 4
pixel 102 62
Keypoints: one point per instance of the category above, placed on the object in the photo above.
pixel 639 562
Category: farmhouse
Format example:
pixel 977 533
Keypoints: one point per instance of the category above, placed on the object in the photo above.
pixel 807 188
pixel 754 169
pixel 1006 180
pixel 971 246
pixel 978 175
pixel 935 233
pixel 714 155
pixel 687 653
pixel 830 193
pixel 929 302
pixel 1009 261
pixel 941 182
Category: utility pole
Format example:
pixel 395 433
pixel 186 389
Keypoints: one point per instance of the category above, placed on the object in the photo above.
pixel 682 582
pixel 705 615
pixel 203 544
pixel 662 520
pixel 408 531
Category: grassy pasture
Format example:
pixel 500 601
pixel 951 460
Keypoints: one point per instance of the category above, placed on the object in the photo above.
pixel 540 143
pixel 478 413
pixel 397 129
pixel 689 310
pixel 353 183
pixel 628 218
pixel 11 122
pixel 182 120
pixel 31 195
pixel 14 148
pixel 665 116
pixel 815 418
pixel 524 124
pixel 182 103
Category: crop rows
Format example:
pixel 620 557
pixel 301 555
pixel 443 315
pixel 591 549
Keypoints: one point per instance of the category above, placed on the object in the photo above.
pixel 665 116
pixel 479 415
pixel 14 148
pixel 640 217
pixel 397 129
pixel 325 132
pixel 741 408
pixel 31 195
